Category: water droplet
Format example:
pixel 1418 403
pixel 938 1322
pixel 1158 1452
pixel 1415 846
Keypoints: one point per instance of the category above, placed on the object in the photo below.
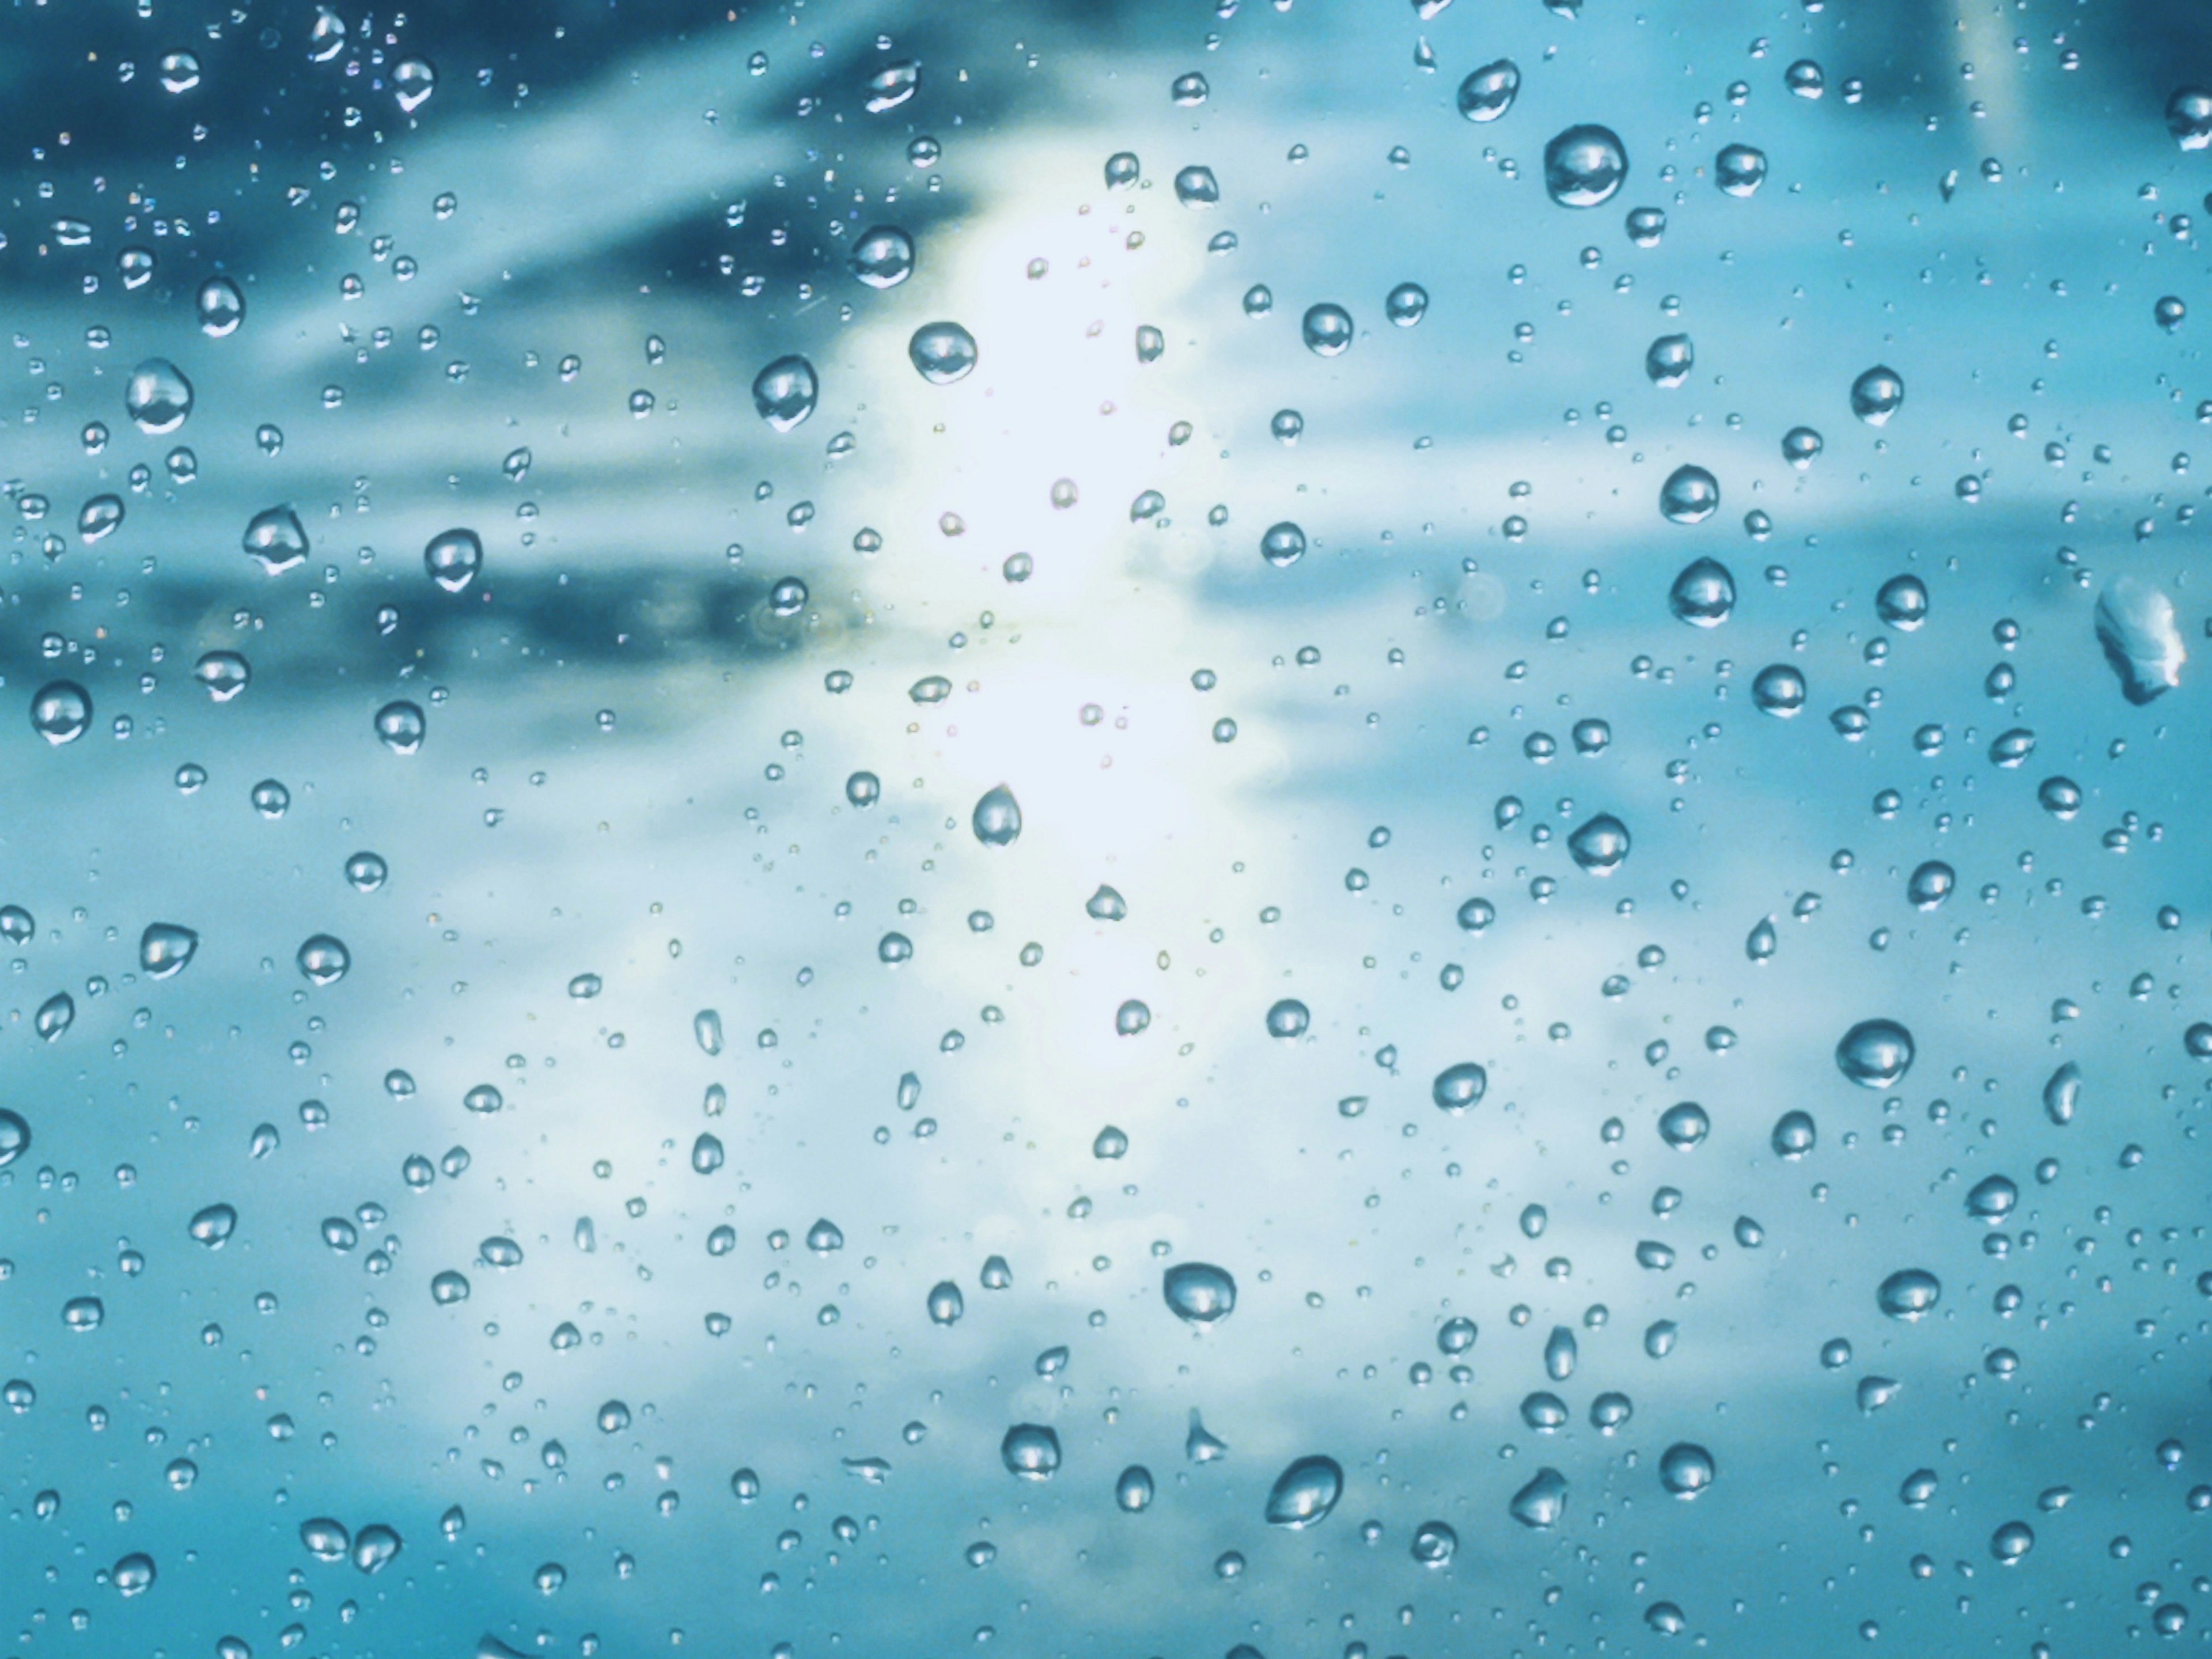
pixel 326 1539
pixel 1778 689
pixel 1305 1493
pixel 1287 1018
pixel 1560 1352
pixel 1542 1501
pixel 1106 905
pixel 997 820
pixel 942 352
pixel 55 1015
pixel 60 711
pixel 1601 845
pixel 1189 90
pixel 452 557
pixel 1584 166
pixel 1902 603
pixel 1690 495
pixel 412 83
pixel 1197 187
pixel 1489 92
pixel 1929 884
pixel 1992 1198
pixel 224 673
pixel 946 1304
pixel 180 72
pixel 400 726
pixel 1738 169
pixel 324 960
pixel 1456 1088
pixel 891 86
pixel 1405 304
pixel 1909 1294
pixel 1801 446
pixel 1455 1335
pixel 277 538
pixel 1877 394
pixel 883 257
pixel 1668 360
pixel 2011 1541
pixel 133 1575
pixel 221 306
pixel 157 396
pixel 1876 1053
pixel 1327 330
pixel 1284 543
pixel 1133 1489
pixel 1030 1451
pixel 2061 1094
pixel 1794 1134
pixel 1684 1126
pixel 2136 627
pixel 15 1136
pixel 1199 1293
pixel 2189 117
pixel 1646 225
pixel 1685 1469
pixel 784 392
pixel 164 949
pixel 375 1546
pixel 1434 1543
pixel 83 1313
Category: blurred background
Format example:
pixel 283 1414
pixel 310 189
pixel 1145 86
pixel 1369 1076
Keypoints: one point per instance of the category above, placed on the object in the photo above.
pixel 521 993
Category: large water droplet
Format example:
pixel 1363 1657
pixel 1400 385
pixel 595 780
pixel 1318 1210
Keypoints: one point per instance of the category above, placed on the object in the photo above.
pixel 1284 543
pixel 1305 1493
pixel 1909 1294
pixel 1668 360
pixel 784 392
pixel 15 1136
pixel 1327 330
pixel 157 396
pixel 1031 1450
pixel 883 257
pixel 1877 394
pixel 164 949
pixel 2137 628
pixel 55 1016
pixel 1287 1018
pixel 373 1547
pixel 400 726
pixel 324 960
pixel 2189 117
pixel 1458 1087
pixel 1738 169
pixel 997 820
pixel 1778 689
pixel 221 306
pixel 60 711
pixel 326 1539
pixel 2011 1541
pixel 1584 166
pixel 1685 1469
pixel 452 558
pixel 1902 603
pixel 1601 845
pixel 1199 1292
pixel 224 673
pixel 942 352
pixel 277 538
pixel 1876 1053
pixel 2061 1094
pixel 213 1225
pixel 1542 1501
pixel 1690 495
pixel 1704 594
pixel 1489 92
pixel 1133 1489
pixel 946 1303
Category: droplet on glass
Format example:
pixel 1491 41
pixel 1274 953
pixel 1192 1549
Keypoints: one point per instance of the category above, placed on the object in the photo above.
pixel 276 536
pixel 1876 1053
pixel 1199 1293
pixel 942 352
pixel 784 392
pixel 2136 627
pixel 165 949
pixel 157 396
pixel 452 557
pixel 1584 166
pixel 1489 92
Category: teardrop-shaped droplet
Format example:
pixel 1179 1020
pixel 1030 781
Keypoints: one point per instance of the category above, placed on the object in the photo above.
pixel 2061 1094
pixel 1795 1134
pixel 221 307
pixel 1133 1489
pixel 164 949
pixel 1704 594
pixel 1489 92
pixel 276 536
pixel 1541 1501
pixel 1601 845
pixel 213 1226
pixel 946 1304
pixel 157 396
pixel 997 819
pixel 785 391
pixel 1305 1493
